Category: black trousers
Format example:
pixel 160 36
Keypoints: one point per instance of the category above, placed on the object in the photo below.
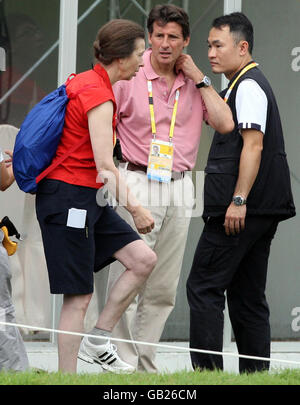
pixel 236 264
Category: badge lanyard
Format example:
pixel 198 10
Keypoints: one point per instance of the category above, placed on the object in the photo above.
pixel 246 68
pixel 160 160
pixel 173 120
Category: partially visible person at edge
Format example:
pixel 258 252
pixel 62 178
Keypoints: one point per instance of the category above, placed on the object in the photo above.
pixel 247 192
pixel 167 70
pixel 13 354
pixel 82 236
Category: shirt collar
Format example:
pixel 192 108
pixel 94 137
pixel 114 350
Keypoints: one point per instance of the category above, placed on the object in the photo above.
pixel 152 75
pixel 102 72
pixel 237 73
pixel 147 68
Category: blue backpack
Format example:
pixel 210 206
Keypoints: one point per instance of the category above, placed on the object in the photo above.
pixel 38 139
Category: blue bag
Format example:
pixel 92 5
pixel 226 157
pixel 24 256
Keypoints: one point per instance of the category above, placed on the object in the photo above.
pixel 38 139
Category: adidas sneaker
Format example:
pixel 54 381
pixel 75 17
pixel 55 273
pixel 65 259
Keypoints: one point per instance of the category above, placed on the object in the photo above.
pixel 106 355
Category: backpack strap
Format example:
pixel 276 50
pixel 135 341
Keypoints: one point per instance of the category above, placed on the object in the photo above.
pixel 75 94
pixel 77 145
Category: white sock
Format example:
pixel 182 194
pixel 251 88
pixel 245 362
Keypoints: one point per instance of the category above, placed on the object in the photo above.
pixel 99 332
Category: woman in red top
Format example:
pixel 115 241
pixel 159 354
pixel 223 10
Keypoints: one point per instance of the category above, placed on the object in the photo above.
pixel 81 232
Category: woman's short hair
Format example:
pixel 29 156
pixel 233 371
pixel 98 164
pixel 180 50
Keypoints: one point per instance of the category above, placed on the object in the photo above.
pixel 116 39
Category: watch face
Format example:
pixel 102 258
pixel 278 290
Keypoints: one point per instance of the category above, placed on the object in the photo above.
pixel 207 81
pixel 237 200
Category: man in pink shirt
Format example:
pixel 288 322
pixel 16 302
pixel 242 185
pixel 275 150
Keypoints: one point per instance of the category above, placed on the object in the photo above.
pixel 173 87
pixel 134 126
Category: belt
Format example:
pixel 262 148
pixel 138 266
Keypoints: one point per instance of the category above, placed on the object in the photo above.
pixel 141 168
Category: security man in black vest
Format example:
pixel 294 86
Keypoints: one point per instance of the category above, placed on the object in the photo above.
pixel 247 192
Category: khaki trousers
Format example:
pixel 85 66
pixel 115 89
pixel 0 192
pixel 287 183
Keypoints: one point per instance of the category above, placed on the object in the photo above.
pixel 144 320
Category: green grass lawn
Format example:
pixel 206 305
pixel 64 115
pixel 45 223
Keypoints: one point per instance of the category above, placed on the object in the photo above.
pixel 284 377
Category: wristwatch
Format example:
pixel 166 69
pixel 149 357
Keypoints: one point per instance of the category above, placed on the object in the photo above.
pixel 205 82
pixel 238 200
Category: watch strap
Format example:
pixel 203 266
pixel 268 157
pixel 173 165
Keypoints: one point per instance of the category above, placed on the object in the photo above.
pixel 199 85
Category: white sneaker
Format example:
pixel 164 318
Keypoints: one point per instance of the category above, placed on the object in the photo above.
pixel 106 355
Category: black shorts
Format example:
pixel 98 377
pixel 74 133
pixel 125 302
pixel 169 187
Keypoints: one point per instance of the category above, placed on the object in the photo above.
pixel 73 254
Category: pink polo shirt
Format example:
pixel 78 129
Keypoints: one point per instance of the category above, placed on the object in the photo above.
pixel 133 116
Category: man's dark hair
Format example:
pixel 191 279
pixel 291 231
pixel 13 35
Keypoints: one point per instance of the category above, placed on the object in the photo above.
pixel 166 13
pixel 239 25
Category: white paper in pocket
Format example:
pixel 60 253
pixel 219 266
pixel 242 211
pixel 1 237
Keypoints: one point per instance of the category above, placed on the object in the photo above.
pixel 76 218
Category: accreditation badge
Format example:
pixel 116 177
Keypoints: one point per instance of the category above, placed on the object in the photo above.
pixel 160 162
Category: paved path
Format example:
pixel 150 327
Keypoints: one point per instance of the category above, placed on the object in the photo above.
pixel 44 356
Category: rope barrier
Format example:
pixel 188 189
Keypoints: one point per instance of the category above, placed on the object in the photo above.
pixel 188 349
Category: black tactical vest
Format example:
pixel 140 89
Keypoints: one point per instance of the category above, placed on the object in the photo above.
pixel 271 192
